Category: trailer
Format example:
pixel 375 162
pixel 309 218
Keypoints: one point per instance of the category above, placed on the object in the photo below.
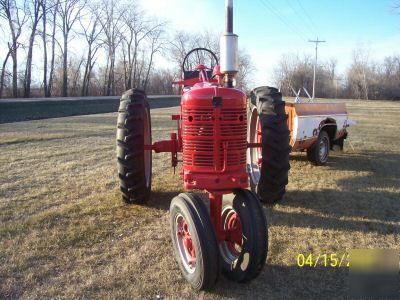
pixel 317 128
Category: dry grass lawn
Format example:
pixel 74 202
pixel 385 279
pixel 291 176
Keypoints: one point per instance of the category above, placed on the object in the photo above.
pixel 65 233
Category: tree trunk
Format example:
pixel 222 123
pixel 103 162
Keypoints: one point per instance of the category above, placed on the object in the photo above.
pixel 44 52
pixel 111 83
pixel 3 72
pixel 65 67
pixel 86 74
pixel 15 71
pixel 134 59
pixel 28 69
pixel 105 77
pixel 53 46
pixel 36 16
pixel 125 68
pixel 148 70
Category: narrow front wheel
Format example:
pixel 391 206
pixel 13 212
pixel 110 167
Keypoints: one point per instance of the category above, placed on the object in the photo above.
pixel 244 251
pixel 194 241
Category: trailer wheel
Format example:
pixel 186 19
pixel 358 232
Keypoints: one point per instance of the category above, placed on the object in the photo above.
pixel 244 252
pixel 133 132
pixel 268 166
pixel 318 153
pixel 194 241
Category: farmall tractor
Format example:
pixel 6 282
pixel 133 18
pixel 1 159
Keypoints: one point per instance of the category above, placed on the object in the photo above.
pixel 226 143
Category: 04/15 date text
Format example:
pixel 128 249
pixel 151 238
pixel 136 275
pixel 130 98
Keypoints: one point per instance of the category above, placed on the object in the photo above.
pixel 323 260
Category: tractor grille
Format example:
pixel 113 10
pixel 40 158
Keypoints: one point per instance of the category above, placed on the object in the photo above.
pixel 206 132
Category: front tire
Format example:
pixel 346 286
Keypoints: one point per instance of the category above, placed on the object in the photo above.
pixel 194 241
pixel 268 166
pixel 133 133
pixel 243 255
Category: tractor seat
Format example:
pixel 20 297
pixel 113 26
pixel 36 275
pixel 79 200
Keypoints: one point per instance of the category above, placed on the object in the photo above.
pixel 195 74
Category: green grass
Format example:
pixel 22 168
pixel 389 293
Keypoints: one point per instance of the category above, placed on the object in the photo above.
pixel 65 232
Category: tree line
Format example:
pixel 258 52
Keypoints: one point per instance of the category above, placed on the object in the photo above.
pixel 363 79
pixel 119 46
pixel 119 33
pixel 119 43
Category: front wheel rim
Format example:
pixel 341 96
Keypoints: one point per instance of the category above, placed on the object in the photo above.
pixel 184 240
pixel 231 248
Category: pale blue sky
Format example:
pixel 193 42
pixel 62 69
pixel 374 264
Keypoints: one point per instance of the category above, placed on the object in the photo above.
pixel 269 28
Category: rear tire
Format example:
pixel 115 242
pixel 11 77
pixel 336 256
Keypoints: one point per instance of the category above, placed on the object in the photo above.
pixel 243 262
pixel 133 132
pixel 319 152
pixel 269 178
pixel 194 241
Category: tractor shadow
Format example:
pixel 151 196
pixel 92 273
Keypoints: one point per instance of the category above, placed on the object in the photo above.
pixel 371 194
pixel 161 199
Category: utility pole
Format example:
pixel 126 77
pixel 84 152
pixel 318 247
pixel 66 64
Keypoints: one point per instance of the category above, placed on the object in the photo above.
pixel 315 64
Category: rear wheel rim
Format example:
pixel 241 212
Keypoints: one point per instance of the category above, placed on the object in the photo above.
pixel 186 248
pixel 255 153
pixel 147 153
pixel 231 248
pixel 323 149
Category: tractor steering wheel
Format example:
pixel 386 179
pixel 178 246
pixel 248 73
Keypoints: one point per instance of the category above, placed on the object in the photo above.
pixel 199 56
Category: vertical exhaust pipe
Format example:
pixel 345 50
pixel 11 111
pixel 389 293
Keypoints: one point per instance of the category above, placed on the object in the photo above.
pixel 228 16
pixel 229 47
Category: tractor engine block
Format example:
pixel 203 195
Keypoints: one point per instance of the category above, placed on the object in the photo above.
pixel 214 138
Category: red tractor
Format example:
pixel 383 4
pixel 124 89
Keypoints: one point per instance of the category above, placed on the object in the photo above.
pixel 230 234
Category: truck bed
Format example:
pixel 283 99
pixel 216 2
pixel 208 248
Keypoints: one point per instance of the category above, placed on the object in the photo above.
pixel 305 121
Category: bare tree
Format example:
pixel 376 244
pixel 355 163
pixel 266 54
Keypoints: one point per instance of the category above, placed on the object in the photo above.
pixel 34 9
pixel 3 72
pixel 49 9
pixel 246 69
pixel 131 38
pixel 295 72
pixel 44 40
pixel 139 31
pixel 74 73
pixel 181 43
pixel 53 9
pixel 358 74
pixel 15 16
pixel 91 32
pixel 155 46
pixel 331 67
pixel 69 12
pixel 160 82
pixel 110 16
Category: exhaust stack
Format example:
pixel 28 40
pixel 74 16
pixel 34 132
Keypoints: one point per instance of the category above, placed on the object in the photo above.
pixel 229 47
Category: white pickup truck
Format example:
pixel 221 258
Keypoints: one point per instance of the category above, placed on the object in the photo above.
pixel 317 128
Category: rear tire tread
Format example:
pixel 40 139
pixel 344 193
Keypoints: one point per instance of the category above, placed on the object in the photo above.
pixel 130 147
pixel 275 143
